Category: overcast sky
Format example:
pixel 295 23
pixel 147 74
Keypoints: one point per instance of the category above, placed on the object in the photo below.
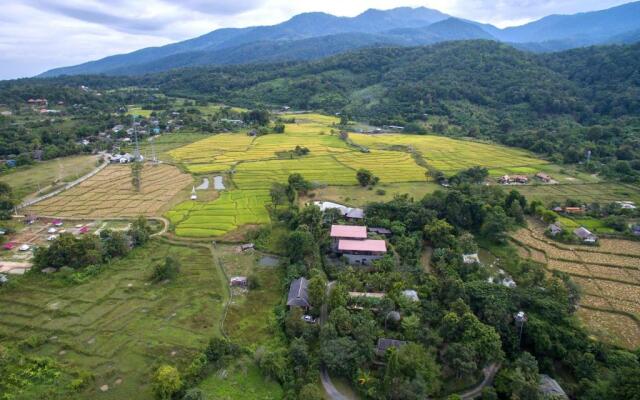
pixel 36 35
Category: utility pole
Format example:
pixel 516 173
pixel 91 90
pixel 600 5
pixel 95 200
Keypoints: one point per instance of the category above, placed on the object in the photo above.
pixel 520 318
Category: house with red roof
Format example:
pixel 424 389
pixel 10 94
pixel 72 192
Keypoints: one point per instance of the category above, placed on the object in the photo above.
pixel 352 243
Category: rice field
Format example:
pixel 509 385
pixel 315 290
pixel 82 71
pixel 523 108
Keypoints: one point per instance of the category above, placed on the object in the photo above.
pixel 110 193
pixel 609 276
pixel 451 155
pixel 118 327
pixel 228 212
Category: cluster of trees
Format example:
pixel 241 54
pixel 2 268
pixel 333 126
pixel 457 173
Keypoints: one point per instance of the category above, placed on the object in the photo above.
pixel 69 251
pixel 7 201
pixel 462 323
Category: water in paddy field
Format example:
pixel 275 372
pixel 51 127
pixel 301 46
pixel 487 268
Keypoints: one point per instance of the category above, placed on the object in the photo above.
pixel 204 185
pixel 486 258
pixel 269 261
pixel 218 184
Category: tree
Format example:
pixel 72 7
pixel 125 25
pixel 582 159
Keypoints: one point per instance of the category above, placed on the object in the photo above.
pixel 341 356
pixel 411 326
pixel 316 290
pixel 298 184
pixel 338 297
pixel 136 175
pixel 366 177
pixel 167 270
pixel 440 233
pixel 7 202
pixel 140 232
pixel 166 382
pixel 495 224
pixel 299 245
pixel 519 380
pixel 278 193
pixel 278 127
pixel 411 373
pixel 460 358
pixel 194 394
pixel 310 391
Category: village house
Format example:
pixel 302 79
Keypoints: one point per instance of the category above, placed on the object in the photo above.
pixel 554 229
pixel 384 344
pixel 298 294
pixel 550 388
pixel 379 231
pixel 516 179
pixel 411 294
pixel 585 235
pixel 370 295
pixel 544 177
pixel 352 243
pixel 238 281
pixel 471 258
pixel 574 210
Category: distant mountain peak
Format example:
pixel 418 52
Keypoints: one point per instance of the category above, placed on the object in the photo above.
pixel 318 34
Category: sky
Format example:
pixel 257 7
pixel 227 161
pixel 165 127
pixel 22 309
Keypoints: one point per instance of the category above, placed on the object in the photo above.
pixel 37 35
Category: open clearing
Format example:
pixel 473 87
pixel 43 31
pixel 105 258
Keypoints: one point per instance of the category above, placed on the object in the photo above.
pixel 118 326
pixel 608 274
pixel 110 194
pixel 48 175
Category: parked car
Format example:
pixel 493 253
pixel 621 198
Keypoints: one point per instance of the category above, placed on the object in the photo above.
pixel 308 319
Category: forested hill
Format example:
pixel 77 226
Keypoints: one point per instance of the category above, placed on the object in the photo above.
pixel 315 35
pixel 560 104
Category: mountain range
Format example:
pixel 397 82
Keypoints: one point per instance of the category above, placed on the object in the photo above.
pixel 315 35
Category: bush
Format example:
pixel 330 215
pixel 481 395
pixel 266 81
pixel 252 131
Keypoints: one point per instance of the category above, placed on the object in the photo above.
pixel 166 382
pixel 254 282
pixel 381 192
pixel 167 270
pixel 194 394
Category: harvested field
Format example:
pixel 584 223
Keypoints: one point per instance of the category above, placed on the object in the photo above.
pixel 110 194
pixel 609 276
pixel 611 327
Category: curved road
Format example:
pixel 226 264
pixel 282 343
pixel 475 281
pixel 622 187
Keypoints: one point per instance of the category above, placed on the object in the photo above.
pixel 328 385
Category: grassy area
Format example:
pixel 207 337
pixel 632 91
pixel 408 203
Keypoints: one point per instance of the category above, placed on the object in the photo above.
pixel 241 381
pixel 603 192
pixel 358 196
pixel 118 326
pixel 249 319
pixel 43 175
pixel 138 111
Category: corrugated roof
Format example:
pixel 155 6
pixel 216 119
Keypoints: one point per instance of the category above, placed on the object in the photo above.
pixel 363 245
pixel 348 231
pixel 298 296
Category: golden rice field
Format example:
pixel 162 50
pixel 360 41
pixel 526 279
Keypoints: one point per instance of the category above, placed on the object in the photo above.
pixel 110 194
pixel 451 155
pixel 609 276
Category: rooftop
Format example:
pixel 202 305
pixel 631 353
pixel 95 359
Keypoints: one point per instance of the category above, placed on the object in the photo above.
pixel 347 231
pixel 363 245
pixel 298 296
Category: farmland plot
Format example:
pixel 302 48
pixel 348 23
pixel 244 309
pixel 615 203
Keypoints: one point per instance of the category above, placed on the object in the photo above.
pixel 110 193
pixel 451 155
pixel 609 276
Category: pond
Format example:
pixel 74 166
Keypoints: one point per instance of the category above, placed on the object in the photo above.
pixel 218 183
pixel 269 261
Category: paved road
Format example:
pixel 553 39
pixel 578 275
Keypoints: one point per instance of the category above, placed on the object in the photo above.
pixel 489 373
pixel 331 390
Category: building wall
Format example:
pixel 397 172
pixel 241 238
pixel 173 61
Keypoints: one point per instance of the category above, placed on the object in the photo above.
pixel 361 259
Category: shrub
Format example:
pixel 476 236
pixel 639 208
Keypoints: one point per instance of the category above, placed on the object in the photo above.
pixel 167 270
pixel 166 382
pixel 194 394
pixel 381 192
